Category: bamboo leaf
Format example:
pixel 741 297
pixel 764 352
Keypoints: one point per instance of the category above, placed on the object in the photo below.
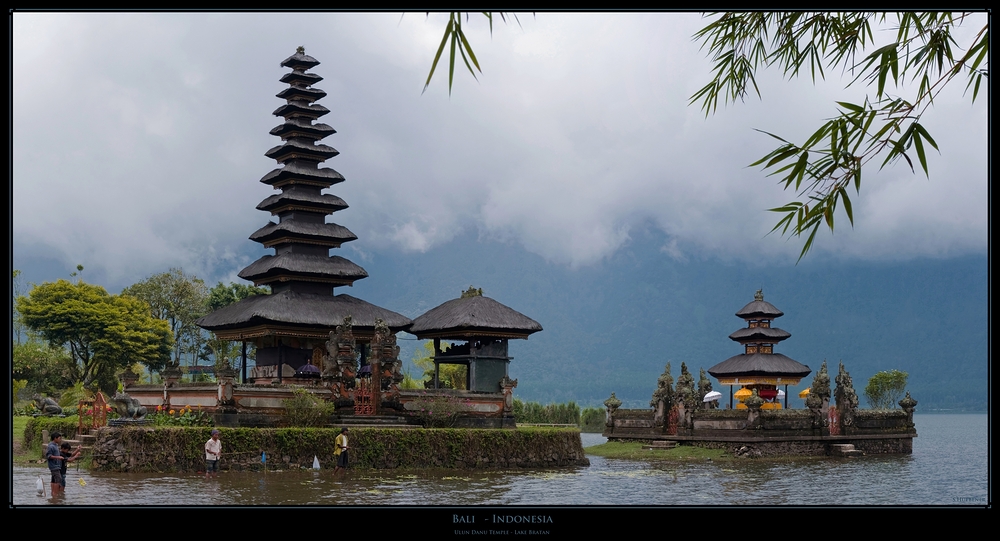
pixel 918 143
pixel 847 205
pixel 437 56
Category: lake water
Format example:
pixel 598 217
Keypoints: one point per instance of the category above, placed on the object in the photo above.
pixel 948 467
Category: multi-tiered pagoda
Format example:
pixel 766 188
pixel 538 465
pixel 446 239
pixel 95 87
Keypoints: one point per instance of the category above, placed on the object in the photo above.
pixel 759 367
pixel 291 325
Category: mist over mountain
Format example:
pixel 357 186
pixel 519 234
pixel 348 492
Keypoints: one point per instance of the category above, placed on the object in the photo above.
pixel 612 326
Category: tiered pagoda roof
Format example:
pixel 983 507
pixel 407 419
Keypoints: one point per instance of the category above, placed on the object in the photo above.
pixel 759 363
pixel 301 274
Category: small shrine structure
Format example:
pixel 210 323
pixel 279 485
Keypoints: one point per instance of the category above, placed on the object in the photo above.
pixel 759 367
pixel 485 326
pixel 291 325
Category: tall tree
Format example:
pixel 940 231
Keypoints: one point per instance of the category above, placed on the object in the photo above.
pixel 178 299
pixel 224 352
pixel 885 388
pixel 103 332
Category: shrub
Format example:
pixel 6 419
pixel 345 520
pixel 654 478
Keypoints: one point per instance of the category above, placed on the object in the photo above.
pixel 885 388
pixel 592 420
pixel 438 411
pixel 33 430
pixel 306 409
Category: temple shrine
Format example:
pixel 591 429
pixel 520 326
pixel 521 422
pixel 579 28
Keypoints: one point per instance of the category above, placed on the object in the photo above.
pixel 485 326
pixel 759 367
pixel 290 326
pixel 341 348
pixel 758 425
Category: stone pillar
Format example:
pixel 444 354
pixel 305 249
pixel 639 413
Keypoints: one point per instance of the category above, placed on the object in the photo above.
pixel 226 377
pixel 507 386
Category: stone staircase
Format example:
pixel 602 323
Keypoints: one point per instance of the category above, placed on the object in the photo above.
pixel 845 450
pixel 372 421
pixel 659 445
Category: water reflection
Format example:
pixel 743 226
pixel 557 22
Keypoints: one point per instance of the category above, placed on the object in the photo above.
pixel 944 468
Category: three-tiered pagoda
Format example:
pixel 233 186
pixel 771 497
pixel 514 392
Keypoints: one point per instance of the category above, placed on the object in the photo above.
pixel 291 325
pixel 759 367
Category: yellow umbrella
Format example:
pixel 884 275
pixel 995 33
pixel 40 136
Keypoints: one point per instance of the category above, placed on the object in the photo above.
pixel 805 392
pixel 743 393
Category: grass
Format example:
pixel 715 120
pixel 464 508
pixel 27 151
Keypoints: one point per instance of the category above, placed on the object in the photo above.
pixel 635 451
pixel 21 455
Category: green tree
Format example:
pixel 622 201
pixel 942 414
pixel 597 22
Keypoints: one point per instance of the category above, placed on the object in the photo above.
pixel 885 388
pixel 46 368
pixel 225 353
pixel 451 376
pixel 179 300
pixel 884 127
pixel 103 332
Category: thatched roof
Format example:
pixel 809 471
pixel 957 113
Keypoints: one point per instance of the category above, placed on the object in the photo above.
pixel 301 309
pixel 300 127
pixel 310 111
pixel 294 171
pixel 297 149
pixel 300 93
pixel 303 198
pixel 326 234
pixel 759 309
pixel 759 364
pixel 304 79
pixel 760 333
pixel 299 61
pixel 334 269
pixel 473 316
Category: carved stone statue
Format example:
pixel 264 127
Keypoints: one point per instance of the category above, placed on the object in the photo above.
pixel 663 397
pixel 339 361
pixel 819 396
pixel 847 399
pixel 47 406
pixel 612 404
pixel 753 403
pixel 686 397
pixel 908 404
pixel 385 356
pixel 128 407
pixel 507 386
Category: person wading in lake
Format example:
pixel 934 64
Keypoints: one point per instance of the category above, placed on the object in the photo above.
pixel 341 451
pixel 213 450
pixel 69 455
pixel 55 459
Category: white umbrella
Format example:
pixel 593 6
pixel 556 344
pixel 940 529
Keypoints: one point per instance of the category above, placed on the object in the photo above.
pixel 781 394
pixel 714 395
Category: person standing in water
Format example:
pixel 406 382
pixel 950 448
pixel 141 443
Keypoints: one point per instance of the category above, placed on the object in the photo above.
pixel 341 451
pixel 213 450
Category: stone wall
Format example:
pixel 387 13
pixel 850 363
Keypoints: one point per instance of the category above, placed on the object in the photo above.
pixel 182 449
pixel 772 433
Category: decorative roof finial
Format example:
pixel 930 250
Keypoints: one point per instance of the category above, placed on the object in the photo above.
pixel 759 295
pixel 472 292
pixel 300 50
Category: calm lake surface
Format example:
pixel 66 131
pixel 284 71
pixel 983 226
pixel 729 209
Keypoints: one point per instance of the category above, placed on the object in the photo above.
pixel 948 467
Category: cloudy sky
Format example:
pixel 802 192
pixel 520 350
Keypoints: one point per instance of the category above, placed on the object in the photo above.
pixel 139 140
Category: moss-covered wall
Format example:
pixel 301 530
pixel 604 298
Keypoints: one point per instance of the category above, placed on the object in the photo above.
pixel 182 449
